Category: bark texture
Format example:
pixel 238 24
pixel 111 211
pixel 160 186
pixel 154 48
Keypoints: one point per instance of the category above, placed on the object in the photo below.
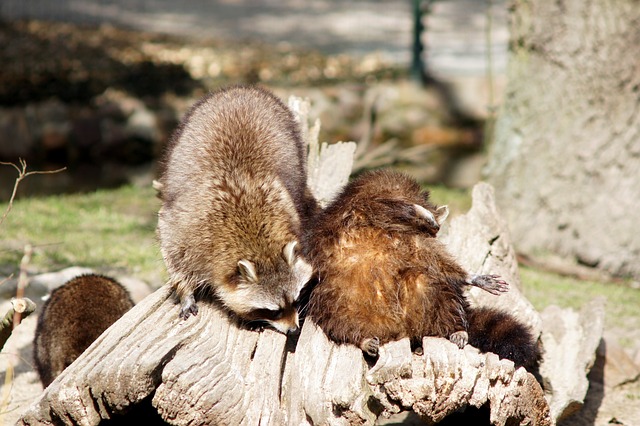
pixel 567 151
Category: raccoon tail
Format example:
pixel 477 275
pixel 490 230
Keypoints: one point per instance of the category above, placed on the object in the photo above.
pixel 493 330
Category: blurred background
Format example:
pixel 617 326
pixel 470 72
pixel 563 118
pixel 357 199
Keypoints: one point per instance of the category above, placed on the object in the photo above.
pixel 98 86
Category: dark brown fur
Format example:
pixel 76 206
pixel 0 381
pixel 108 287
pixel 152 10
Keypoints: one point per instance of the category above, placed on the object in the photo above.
pixel 381 274
pixel 492 330
pixel 234 195
pixel 73 317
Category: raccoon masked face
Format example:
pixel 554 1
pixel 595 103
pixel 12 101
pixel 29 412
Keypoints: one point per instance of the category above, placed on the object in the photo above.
pixel 270 296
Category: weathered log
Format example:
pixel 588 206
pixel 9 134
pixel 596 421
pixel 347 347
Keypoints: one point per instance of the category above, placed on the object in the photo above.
pixel 209 370
pixel 329 166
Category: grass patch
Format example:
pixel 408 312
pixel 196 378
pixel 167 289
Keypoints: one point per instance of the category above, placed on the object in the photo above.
pixel 458 200
pixel 111 231
pixel 545 288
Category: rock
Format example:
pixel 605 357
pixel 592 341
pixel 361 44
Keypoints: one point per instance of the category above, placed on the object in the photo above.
pixel 17 371
pixel 15 128
pixel 53 123
pixel 85 130
pixel 619 367
pixel 143 124
pixel 41 285
pixel 137 288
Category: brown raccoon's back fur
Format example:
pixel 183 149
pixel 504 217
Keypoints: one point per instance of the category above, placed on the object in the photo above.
pixel 234 196
pixel 383 276
pixel 73 317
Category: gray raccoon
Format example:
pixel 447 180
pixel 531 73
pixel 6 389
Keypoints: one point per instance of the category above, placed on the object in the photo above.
pixel 73 317
pixel 234 203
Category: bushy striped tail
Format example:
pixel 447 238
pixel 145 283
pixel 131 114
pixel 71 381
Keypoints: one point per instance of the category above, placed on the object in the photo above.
pixel 492 330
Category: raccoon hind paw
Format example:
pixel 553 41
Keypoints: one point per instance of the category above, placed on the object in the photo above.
pixel 490 283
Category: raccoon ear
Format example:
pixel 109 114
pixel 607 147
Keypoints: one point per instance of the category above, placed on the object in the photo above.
pixel 289 252
pixel 426 214
pixel 247 270
pixel 442 213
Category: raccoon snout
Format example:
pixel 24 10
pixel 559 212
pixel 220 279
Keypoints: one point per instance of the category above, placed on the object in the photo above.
pixel 284 328
pixel 293 331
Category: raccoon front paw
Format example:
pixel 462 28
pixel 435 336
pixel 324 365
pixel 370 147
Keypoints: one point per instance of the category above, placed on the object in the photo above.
pixel 490 283
pixel 188 307
pixel 370 346
pixel 460 338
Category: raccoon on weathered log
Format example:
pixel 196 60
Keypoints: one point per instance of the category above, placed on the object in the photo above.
pixel 209 370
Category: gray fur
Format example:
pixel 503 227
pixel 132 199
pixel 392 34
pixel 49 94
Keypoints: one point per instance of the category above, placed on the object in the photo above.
pixel 234 203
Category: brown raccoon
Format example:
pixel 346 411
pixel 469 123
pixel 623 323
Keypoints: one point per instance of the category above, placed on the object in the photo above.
pixel 234 204
pixel 381 274
pixel 73 317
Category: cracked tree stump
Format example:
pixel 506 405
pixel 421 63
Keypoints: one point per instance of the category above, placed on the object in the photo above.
pixel 207 370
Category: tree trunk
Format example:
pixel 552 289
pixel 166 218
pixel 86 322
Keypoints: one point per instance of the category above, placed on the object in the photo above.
pixel 566 157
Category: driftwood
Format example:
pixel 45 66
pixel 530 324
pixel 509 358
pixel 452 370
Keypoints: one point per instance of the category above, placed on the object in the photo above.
pixel 208 370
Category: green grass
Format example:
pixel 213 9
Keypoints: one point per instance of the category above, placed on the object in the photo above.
pixel 621 313
pixel 112 231
pixel 458 200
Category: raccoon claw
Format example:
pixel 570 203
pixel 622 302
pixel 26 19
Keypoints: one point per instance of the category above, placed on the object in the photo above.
pixel 370 346
pixel 490 283
pixel 188 307
pixel 460 338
